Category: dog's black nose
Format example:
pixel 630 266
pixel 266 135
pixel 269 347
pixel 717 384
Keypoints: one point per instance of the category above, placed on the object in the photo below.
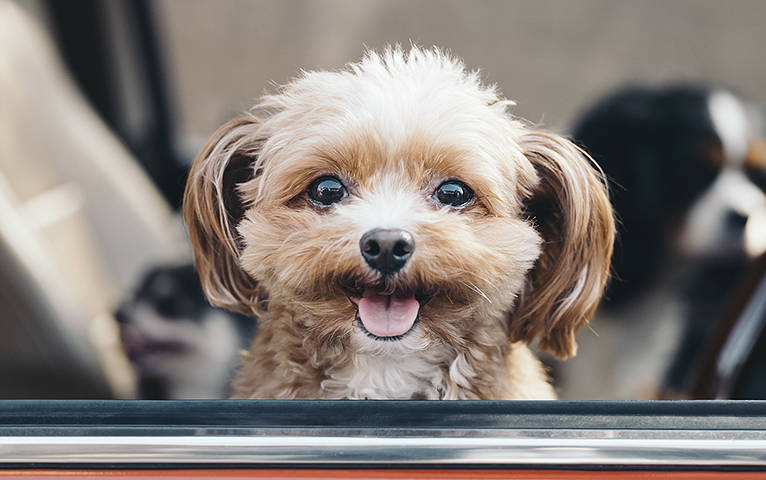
pixel 387 250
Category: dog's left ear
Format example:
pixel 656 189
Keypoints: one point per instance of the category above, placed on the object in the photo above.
pixel 571 210
pixel 213 207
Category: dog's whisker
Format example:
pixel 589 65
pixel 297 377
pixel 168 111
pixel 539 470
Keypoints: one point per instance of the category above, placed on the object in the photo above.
pixel 477 290
pixel 592 330
pixel 495 288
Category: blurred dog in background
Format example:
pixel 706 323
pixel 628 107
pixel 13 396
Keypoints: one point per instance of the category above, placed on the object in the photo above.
pixel 180 346
pixel 686 167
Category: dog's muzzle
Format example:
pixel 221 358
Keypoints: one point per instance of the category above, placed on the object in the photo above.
pixel 386 315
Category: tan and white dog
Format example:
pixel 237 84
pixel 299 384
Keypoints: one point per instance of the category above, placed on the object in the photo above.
pixel 399 235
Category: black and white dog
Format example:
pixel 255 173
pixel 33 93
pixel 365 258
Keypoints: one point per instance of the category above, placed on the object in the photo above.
pixel 179 345
pixel 686 167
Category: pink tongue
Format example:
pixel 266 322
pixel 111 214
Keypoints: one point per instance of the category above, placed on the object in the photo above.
pixel 387 315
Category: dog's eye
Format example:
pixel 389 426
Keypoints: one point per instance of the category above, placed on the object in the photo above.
pixel 454 194
pixel 324 191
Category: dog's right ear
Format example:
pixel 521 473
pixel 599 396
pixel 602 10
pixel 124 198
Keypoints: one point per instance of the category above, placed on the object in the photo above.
pixel 212 209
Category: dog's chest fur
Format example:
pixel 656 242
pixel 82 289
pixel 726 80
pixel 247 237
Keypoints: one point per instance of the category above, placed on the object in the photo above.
pixel 414 368
pixel 390 375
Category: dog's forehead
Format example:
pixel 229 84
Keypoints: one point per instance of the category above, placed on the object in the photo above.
pixel 415 118
pixel 416 157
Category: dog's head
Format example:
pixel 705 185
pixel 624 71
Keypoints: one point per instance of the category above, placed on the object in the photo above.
pixel 689 167
pixel 398 196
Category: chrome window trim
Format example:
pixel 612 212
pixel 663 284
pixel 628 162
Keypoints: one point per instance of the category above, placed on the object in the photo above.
pixel 685 435
pixel 540 448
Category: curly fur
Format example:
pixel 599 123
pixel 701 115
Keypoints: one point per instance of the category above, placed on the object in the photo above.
pixel 528 259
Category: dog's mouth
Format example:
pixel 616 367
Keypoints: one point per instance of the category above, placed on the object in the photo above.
pixel 388 316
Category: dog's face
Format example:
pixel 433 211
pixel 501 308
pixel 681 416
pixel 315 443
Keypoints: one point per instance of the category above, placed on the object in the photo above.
pixel 179 345
pixel 394 203
pixel 688 165
pixel 389 226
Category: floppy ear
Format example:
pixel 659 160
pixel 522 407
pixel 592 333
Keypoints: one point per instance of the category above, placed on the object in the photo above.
pixel 571 209
pixel 213 207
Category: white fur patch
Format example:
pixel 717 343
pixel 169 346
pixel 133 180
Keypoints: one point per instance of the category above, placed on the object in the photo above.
pixel 391 370
pixel 732 125
pixel 389 206
pixel 705 229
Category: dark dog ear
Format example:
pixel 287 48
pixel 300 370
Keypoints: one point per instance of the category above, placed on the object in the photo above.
pixel 571 210
pixel 213 208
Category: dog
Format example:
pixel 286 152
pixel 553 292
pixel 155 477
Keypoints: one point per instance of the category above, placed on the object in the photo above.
pixel 398 234
pixel 180 346
pixel 687 172
pixel 687 166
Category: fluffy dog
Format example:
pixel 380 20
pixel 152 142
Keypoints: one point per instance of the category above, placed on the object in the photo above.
pixel 399 235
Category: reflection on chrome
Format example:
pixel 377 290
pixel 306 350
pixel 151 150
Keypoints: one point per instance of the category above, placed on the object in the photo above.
pixel 517 447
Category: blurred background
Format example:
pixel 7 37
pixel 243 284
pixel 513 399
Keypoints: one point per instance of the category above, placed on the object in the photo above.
pixel 104 103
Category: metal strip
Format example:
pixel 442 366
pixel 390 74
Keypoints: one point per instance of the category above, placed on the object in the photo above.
pixel 726 449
